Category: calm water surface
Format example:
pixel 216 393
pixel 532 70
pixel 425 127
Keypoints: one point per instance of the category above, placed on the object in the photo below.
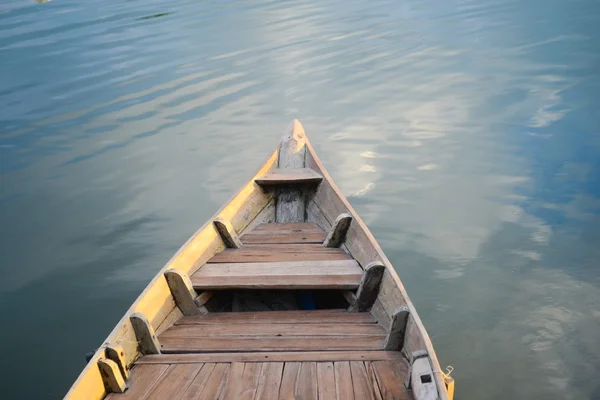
pixel 465 133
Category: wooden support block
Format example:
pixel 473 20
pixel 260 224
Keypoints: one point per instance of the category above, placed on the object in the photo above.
pixel 349 296
pixel 369 287
pixel 111 376
pixel 395 338
pixel 203 298
pixel 291 202
pixel 145 334
pixel 421 377
pixel 116 353
pixel 182 291
pixel 228 234
pixel 337 233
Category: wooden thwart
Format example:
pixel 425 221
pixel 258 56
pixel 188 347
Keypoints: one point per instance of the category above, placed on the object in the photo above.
pixel 337 233
pixel 275 330
pixel 254 255
pixel 337 274
pixel 282 356
pixel 339 316
pixel 288 343
pixel 284 176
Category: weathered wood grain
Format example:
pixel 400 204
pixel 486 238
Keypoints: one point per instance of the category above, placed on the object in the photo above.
pixel 175 382
pixel 145 334
pixel 361 383
pixel 395 338
pixel 292 237
pixel 182 291
pixel 343 381
pixel 284 356
pixel 306 387
pixel 291 202
pixel 413 342
pixel 326 380
pixel 116 353
pixel 199 382
pixel 270 381
pixel 233 387
pixel 337 274
pixel 288 343
pixel 141 382
pixel 265 216
pixel 269 329
pixel 390 378
pixel 112 377
pixel 373 381
pixel 287 227
pixel 369 287
pixel 228 233
pixel 281 317
pixel 287 390
pixel 338 231
pixel 253 255
pixel 216 382
pixel 291 176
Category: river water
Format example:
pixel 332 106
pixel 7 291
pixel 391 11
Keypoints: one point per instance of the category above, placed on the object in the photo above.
pixel 465 133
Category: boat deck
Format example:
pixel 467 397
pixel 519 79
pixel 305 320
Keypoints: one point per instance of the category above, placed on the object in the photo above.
pixel 301 354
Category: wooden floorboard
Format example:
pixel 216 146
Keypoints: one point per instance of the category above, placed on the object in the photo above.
pixel 291 370
pixel 388 374
pixel 306 387
pixel 343 381
pixel 289 343
pixel 199 382
pixel 216 382
pixel 141 381
pixel 308 380
pixel 361 384
pixel 334 316
pixel 326 380
pixel 270 381
pixel 175 382
pixel 283 356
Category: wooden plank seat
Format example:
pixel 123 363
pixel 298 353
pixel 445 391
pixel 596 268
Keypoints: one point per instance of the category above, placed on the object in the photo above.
pixel 336 274
pixel 299 330
pixel 286 176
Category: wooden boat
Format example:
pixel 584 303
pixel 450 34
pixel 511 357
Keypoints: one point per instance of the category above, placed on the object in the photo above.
pixel 283 294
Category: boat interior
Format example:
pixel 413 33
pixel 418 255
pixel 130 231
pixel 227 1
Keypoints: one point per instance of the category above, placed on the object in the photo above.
pixel 285 294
